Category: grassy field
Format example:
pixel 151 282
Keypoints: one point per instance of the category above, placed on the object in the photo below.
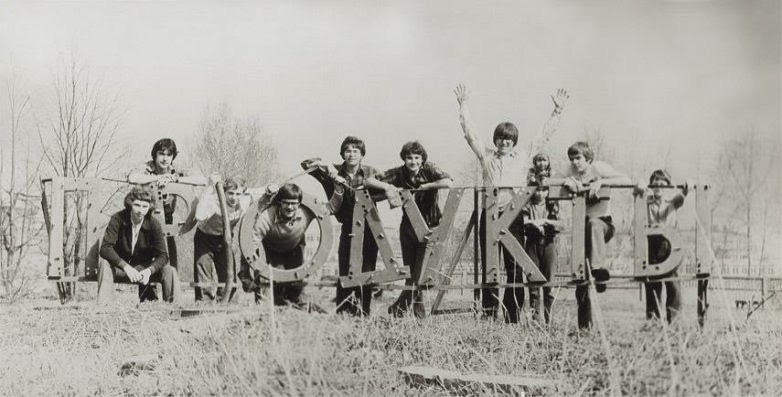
pixel 79 349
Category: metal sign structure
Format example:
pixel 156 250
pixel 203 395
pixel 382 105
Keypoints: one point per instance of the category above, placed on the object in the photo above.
pixel 55 192
pixel 251 251
pixel 431 274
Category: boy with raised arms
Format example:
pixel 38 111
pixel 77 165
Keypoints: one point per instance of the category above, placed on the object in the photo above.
pixel 504 166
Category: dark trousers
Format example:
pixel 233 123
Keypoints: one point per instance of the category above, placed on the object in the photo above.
pixel 172 255
pixel 168 215
pixel 659 250
pixel 210 256
pixel 355 300
pixel 412 250
pixel 513 298
pixel 544 255
pixel 286 293
pixel 167 277
pixel 599 232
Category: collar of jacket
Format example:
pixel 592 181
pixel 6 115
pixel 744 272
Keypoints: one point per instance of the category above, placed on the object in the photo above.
pixel 342 170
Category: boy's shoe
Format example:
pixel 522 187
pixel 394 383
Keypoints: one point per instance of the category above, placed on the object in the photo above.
pixel 419 310
pixel 396 310
pixel 308 307
pixel 489 314
pixel 400 306
pixel 600 275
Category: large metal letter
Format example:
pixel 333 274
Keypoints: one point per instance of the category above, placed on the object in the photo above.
pixel 641 232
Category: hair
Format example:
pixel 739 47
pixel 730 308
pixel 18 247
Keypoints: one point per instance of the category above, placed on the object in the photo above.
pixel 660 174
pixel 288 191
pixel 235 183
pixel 506 130
pixel 352 141
pixel 138 193
pixel 581 147
pixel 537 176
pixel 165 144
pixel 413 147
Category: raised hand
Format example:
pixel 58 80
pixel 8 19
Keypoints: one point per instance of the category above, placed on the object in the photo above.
pixel 560 99
pixel 272 188
pixel 461 93
pixel 311 163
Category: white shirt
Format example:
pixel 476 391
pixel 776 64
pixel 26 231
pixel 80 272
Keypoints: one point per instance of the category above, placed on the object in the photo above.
pixel 135 228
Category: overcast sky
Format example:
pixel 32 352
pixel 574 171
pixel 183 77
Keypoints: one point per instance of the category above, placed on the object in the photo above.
pixel 653 76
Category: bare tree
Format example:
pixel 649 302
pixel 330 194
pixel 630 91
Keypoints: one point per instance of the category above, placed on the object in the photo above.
pixel 599 144
pixel 235 147
pixel 744 167
pixel 18 228
pixel 79 140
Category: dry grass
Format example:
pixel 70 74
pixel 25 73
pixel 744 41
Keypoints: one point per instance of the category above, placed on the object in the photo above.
pixel 78 349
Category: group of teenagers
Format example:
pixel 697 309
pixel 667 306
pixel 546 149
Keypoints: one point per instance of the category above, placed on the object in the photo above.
pixel 135 249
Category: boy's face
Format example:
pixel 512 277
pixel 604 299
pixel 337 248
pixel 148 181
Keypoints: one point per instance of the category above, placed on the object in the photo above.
pixel 579 162
pixel 138 209
pixel 352 155
pixel 541 163
pixel 232 196
pixel 504 145
pixel 540 194
pixel 163 159
pixel 288 208
pixel 413 162
pixel 656 182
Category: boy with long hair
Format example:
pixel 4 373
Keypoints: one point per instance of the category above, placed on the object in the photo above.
pixel 134 250
pixel 160 169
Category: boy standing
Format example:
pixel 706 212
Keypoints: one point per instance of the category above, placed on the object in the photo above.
pixel 662 211
pixel 503 166
pixel 161 170
pixel 209 248
pixel 351 174
pixel 426 178
pixel 585 170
